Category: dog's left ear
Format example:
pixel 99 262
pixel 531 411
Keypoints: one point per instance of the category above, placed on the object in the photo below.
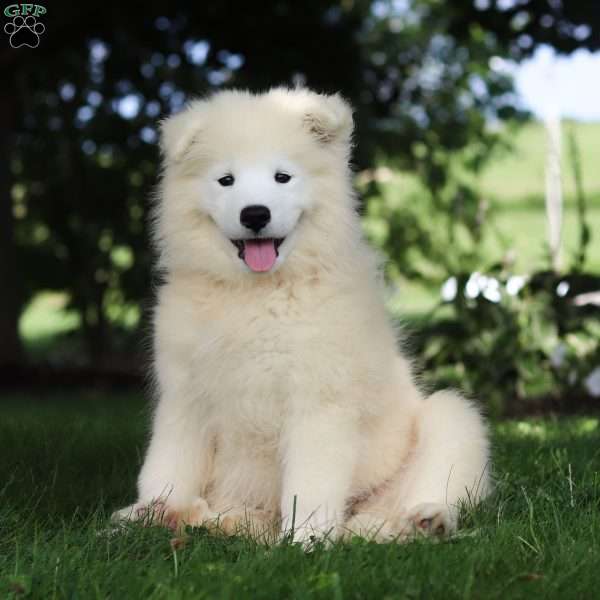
pixel 329 119
pixel 181 131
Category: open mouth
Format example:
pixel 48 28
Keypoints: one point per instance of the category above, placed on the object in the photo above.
pixel 259 254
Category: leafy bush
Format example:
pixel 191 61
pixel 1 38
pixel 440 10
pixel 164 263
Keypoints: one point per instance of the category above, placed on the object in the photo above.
pixel 517 342
pixel 512 340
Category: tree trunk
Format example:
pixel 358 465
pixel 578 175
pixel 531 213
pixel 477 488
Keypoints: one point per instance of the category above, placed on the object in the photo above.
pixel 11 352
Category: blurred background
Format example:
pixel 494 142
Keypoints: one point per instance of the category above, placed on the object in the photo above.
pixel 477 163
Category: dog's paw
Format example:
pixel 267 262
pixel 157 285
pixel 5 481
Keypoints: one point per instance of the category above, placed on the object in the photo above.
pixel 155 512
pixel 307 537
pixel 133 512
pixel 248 522
pixel 431 519
pixel 158 512
pixel 371 527
pixel 427 519
pixel 308 534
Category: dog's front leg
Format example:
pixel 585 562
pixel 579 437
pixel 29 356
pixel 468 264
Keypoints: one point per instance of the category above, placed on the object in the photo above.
pixel 176 468
pixel 319 456
pixel 178 459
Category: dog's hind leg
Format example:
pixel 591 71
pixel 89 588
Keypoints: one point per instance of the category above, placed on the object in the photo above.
pixel 448 465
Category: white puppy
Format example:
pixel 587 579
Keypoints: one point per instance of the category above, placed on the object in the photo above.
pixel 282 392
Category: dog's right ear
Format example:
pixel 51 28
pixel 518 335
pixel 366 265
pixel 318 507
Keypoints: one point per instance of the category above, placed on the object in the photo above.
pixel 179 133
pixel 328 118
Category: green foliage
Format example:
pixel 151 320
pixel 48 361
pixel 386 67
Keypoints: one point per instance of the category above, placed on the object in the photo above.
pixel 513 341
pixel 427 80
pixel 67 462
pixel 421 75
pixel 429 229
pixel 517 341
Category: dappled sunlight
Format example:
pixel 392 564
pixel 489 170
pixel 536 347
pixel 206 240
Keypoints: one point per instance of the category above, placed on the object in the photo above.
pixel 556 429
pixel 46 315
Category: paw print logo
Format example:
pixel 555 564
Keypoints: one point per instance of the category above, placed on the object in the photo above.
pixel 24 31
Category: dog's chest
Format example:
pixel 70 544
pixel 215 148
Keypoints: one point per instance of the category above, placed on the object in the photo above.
pixel 251 352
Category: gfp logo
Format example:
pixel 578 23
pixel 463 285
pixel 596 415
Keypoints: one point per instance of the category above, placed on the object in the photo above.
pixel 24 29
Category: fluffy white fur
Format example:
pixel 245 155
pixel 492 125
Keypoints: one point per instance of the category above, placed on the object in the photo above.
pixel 287 387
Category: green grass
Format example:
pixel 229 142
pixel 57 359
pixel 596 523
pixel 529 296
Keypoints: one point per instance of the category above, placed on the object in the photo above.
pixel 519 173
pixel 67 462
pixel 515 185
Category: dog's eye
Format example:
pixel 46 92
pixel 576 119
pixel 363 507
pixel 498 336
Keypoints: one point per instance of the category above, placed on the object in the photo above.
pixel 226 180
pixel 282 177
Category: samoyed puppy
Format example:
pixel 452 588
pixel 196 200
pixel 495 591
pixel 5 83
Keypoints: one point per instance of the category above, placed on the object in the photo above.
pixel 283 398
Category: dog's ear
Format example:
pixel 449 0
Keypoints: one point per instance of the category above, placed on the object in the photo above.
pixel 180 132
pixel 329 119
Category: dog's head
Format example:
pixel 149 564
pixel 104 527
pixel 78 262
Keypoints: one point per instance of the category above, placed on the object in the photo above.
pixel 245 174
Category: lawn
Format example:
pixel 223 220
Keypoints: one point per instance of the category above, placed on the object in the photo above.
pixel 68 461
pixel 515 184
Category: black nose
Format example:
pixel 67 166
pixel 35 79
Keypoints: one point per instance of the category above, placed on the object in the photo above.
pixel 255 217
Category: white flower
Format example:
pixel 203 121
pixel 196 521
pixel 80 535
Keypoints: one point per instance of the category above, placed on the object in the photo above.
pixel 472 288
pixel 557 358
pixel 449 289
pixel 562 288
pixel 515 284
pixel 491 289
pixel 592 383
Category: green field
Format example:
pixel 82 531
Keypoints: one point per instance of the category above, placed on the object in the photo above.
pixel 513 188
pixel 515 184
pixel 67 462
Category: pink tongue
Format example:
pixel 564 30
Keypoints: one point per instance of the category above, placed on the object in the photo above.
pixel 260 255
